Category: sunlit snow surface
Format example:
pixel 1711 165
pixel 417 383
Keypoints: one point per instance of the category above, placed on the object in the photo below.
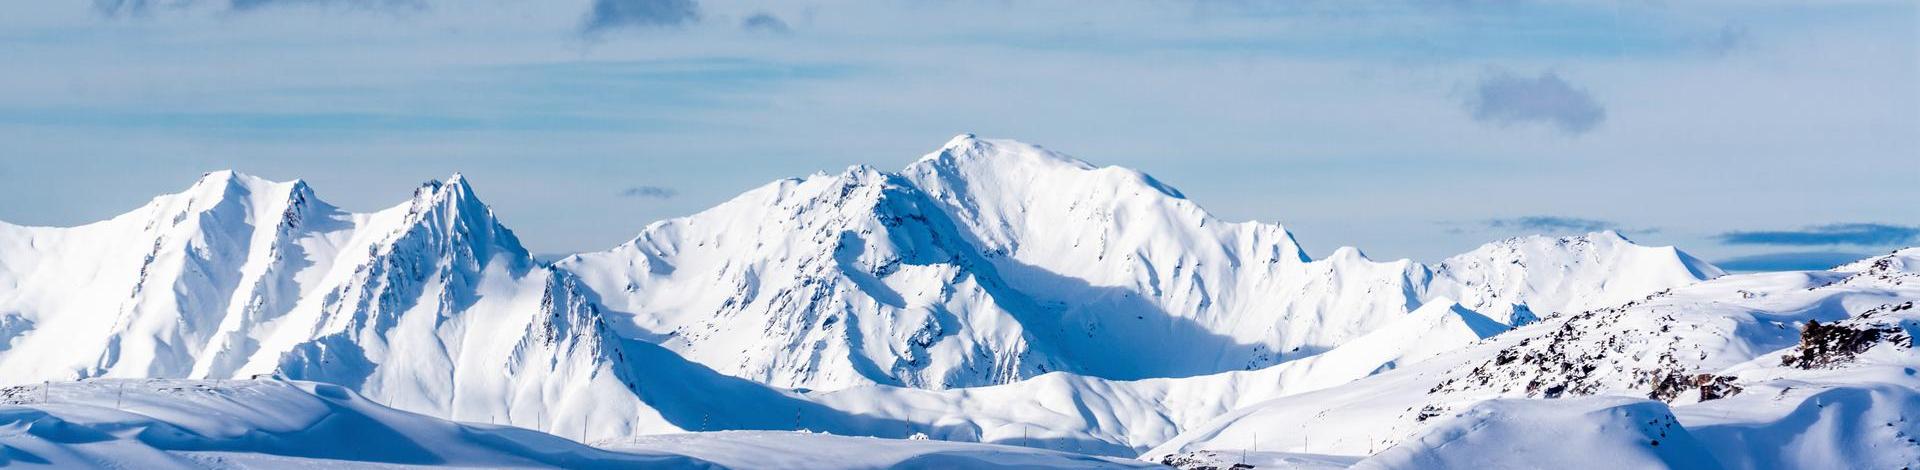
pixel 157 424
pixel 1863 412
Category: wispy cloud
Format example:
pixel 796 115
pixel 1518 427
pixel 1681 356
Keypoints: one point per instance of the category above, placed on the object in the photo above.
pixel 136 8
pixel 765 23
pixel 609 15
pixel 1861 234
pixel 1795 261
pixel 1505 99
pixel 650 192
pixel 244 5
pixel 1549 223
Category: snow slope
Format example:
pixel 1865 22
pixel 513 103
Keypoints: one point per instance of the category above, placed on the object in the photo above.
pixel 146 423
pixel 142 423
pixel 805 450
pixel 1581 432
pixel 1716 351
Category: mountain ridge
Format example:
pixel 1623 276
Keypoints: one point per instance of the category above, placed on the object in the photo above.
pixel 987 263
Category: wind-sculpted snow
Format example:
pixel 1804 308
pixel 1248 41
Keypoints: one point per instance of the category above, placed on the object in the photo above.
pixel 164 424
pixel 807 450
pixel 1572 433
pixel 142 423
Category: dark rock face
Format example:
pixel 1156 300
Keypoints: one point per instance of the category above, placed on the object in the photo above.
pixel 1203 460
pixel 1824 346
pixel 1711 387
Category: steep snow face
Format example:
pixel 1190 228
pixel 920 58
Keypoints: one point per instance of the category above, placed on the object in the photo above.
pixel 1739 358
pixel 1116 257
pixel 991 261
pixel 167 289
pixel 446 314
pixel 430 306
pixel 822 282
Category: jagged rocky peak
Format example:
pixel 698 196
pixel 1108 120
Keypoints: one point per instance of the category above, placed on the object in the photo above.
pixel 452 210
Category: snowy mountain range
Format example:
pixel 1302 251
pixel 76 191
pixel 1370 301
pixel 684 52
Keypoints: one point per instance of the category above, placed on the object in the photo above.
pixel 992 291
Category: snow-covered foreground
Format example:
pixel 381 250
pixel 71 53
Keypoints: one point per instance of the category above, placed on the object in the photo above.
pixel 157 424
pixel 148 423
pixel 1699 377
pixel 805 450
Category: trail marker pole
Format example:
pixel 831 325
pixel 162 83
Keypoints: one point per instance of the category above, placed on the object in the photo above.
pixel 1255 442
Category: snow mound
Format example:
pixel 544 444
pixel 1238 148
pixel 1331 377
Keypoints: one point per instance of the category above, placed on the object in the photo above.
pixel 803 450
pixel 1572 433
pixel 140 423
pixel 146 423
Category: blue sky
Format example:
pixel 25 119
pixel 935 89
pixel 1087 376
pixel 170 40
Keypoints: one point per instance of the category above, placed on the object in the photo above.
pixel 1767 131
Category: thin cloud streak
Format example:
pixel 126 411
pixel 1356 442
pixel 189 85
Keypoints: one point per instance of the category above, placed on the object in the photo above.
pixel 649 192
pixel 1861 234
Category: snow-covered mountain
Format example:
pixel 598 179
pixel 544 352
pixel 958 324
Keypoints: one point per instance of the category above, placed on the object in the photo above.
pixel 991 291
pixel 431 306
pixel 988 262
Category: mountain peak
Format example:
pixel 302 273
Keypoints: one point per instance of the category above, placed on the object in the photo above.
pixel 455 190
pixel 1348 254
pixel 454 204
pixel 227 188
pixel 230 178
pixel 1012 155
pixel 960 141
